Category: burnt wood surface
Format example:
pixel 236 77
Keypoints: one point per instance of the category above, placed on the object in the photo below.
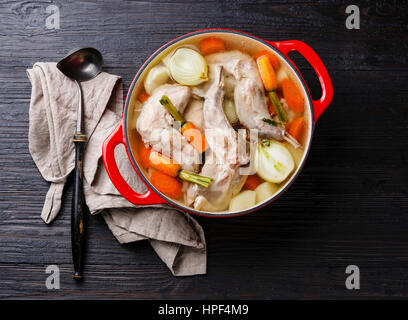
pixel 349 206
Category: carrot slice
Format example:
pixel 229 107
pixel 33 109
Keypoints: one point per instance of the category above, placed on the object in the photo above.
pixel 296 128
pixel 211 45
pixel 252 182
pixel 194 136
pixel 274 60
pixel 144 154
pixel 164 164
pixel 167 185
pixel 143 96
pixel 267 73
pixel 292 95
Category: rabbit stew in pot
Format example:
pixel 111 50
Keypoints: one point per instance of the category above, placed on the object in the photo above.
pixel 220 127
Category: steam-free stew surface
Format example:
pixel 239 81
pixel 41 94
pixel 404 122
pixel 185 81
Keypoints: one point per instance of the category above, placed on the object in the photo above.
pixel 216 82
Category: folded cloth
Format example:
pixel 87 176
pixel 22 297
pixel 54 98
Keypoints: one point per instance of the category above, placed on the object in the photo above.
pixel 175 236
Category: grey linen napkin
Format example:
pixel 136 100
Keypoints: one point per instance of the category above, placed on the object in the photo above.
pixel 175 236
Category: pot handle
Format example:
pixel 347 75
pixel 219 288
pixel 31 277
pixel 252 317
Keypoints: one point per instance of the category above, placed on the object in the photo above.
pixel 311 56
pixel 108 154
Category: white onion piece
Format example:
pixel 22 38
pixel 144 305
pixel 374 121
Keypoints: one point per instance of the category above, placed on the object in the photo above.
pixel 274 162
pixel 157 76
pixel 166 59
pixel 188 67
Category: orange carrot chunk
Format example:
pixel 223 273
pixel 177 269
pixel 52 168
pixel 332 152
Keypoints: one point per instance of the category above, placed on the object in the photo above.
pixel 292 95
pixel 188 129
pixel 296 128
pixel 194 136
pixel 144 154
pixel 267 73
pixel 252 182
pixel 167 185
pixel 164 164
pixel 211 45
pixel 143 96
pixel 274 60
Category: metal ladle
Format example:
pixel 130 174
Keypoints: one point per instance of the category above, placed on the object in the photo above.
pixel 79 65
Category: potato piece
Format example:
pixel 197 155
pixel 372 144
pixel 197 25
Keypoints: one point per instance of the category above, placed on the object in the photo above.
pixel 265 191
pixel 297 153
pixel 229 86
pixel 281 75
pixel 157 76
pixel 229 110
pixel 242 201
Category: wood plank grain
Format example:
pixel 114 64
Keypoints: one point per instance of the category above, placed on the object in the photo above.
pixel 348 206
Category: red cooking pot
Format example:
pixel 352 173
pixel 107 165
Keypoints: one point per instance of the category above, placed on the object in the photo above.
pixel 125 132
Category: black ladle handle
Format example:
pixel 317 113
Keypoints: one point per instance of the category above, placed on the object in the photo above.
pixel 78 208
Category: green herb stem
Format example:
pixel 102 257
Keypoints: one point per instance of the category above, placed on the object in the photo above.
pixel 195 178
pixel 270 121
pixel 278 107
pixel 165 102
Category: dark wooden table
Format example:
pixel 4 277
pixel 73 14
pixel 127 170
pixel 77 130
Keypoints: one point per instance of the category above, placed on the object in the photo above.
pixel 349 205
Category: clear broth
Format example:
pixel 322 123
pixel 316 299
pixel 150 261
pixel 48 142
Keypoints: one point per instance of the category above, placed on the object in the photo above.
pixel 232 41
